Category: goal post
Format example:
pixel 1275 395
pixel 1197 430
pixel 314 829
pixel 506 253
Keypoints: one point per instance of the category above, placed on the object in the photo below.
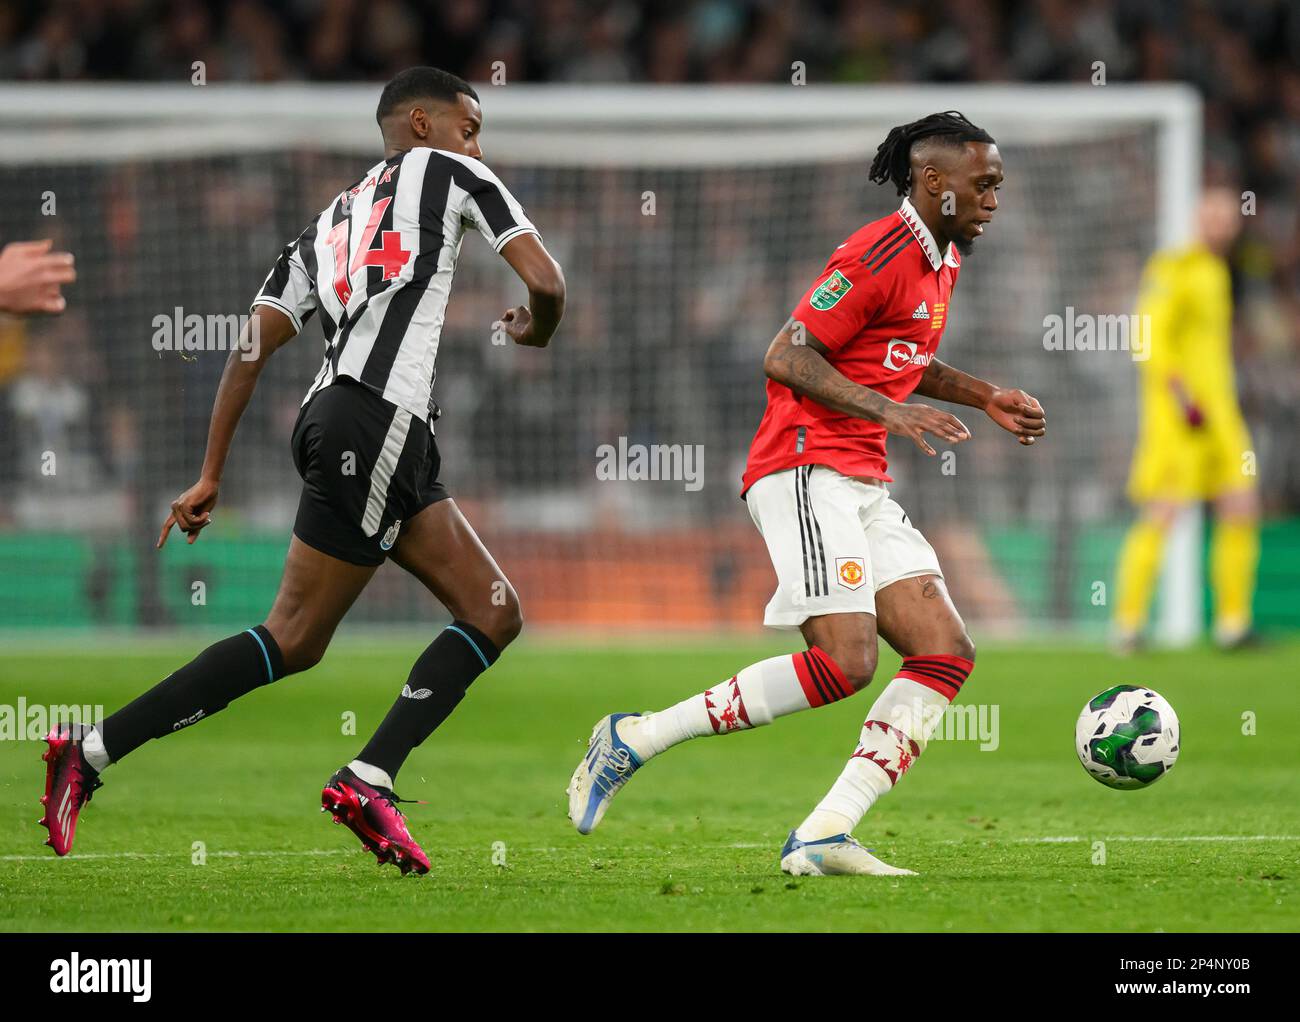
pixel 689 219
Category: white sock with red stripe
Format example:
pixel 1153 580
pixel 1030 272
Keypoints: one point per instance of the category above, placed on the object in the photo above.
pixel 756 696
pixel 895 733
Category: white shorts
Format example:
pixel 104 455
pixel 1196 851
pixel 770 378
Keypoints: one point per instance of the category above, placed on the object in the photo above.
pixel 834 541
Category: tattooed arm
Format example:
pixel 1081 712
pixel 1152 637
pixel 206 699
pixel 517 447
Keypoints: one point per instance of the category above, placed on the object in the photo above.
pixel 1013 410
pixel 796 359
pixel 944 383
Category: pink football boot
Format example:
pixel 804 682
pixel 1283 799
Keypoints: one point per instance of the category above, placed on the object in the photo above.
pixel 69 783
pixel 371 814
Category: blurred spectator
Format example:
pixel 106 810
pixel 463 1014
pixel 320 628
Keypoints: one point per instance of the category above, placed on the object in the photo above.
pixel 669 314
pixel 1243 57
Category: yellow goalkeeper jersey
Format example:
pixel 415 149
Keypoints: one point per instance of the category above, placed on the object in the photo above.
pixel 1188 296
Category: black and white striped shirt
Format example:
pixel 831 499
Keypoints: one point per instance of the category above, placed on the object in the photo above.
pixel 378 263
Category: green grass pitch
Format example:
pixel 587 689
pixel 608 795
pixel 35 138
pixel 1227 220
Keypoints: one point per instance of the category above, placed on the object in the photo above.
pixel 1003 840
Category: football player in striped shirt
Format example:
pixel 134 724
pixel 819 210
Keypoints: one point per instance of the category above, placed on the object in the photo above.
pixel 376 266
pixel 850 566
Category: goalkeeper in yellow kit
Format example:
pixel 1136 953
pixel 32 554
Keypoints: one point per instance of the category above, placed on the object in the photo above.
pixel 1193 444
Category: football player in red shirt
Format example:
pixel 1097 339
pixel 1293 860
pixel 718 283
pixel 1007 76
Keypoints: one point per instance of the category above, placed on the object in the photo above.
pixel 849 564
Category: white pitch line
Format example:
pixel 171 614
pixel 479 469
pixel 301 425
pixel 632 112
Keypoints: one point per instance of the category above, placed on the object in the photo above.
pixel 1075 838
pixel 262 853
pixel 174 855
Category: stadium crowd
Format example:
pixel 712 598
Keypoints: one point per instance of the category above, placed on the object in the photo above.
pixel 1244 59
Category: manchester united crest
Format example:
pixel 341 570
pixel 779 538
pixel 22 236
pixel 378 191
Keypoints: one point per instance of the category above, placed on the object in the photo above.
pixel 850 572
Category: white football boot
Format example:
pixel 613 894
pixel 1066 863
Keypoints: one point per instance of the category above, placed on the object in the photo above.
pixel 605 767
pixel 837 855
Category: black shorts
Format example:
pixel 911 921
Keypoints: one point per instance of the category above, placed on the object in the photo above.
pixel 367 466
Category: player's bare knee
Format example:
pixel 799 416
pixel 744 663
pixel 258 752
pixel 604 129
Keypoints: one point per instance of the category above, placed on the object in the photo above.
pixel 299 652
pixel 507 624
pixel 501 619
pixel 858 662
pixel 950 641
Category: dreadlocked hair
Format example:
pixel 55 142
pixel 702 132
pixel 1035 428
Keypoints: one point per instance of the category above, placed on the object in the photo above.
pixel 893 160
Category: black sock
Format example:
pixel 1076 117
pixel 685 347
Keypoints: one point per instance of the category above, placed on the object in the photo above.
pixel 437 683
pixel 221 673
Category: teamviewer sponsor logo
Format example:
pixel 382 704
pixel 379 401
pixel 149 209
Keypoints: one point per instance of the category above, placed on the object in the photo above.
pixel 77 975
pixel 901 354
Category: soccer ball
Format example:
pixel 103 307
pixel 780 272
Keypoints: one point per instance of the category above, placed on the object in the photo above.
pixel 1127 737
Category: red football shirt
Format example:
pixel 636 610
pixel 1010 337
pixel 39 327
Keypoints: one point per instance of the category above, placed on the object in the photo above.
pixel 879 307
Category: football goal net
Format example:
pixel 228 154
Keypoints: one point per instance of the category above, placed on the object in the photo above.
pixel 603 472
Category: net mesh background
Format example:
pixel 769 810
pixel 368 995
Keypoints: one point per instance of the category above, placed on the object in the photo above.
pixel 669 316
